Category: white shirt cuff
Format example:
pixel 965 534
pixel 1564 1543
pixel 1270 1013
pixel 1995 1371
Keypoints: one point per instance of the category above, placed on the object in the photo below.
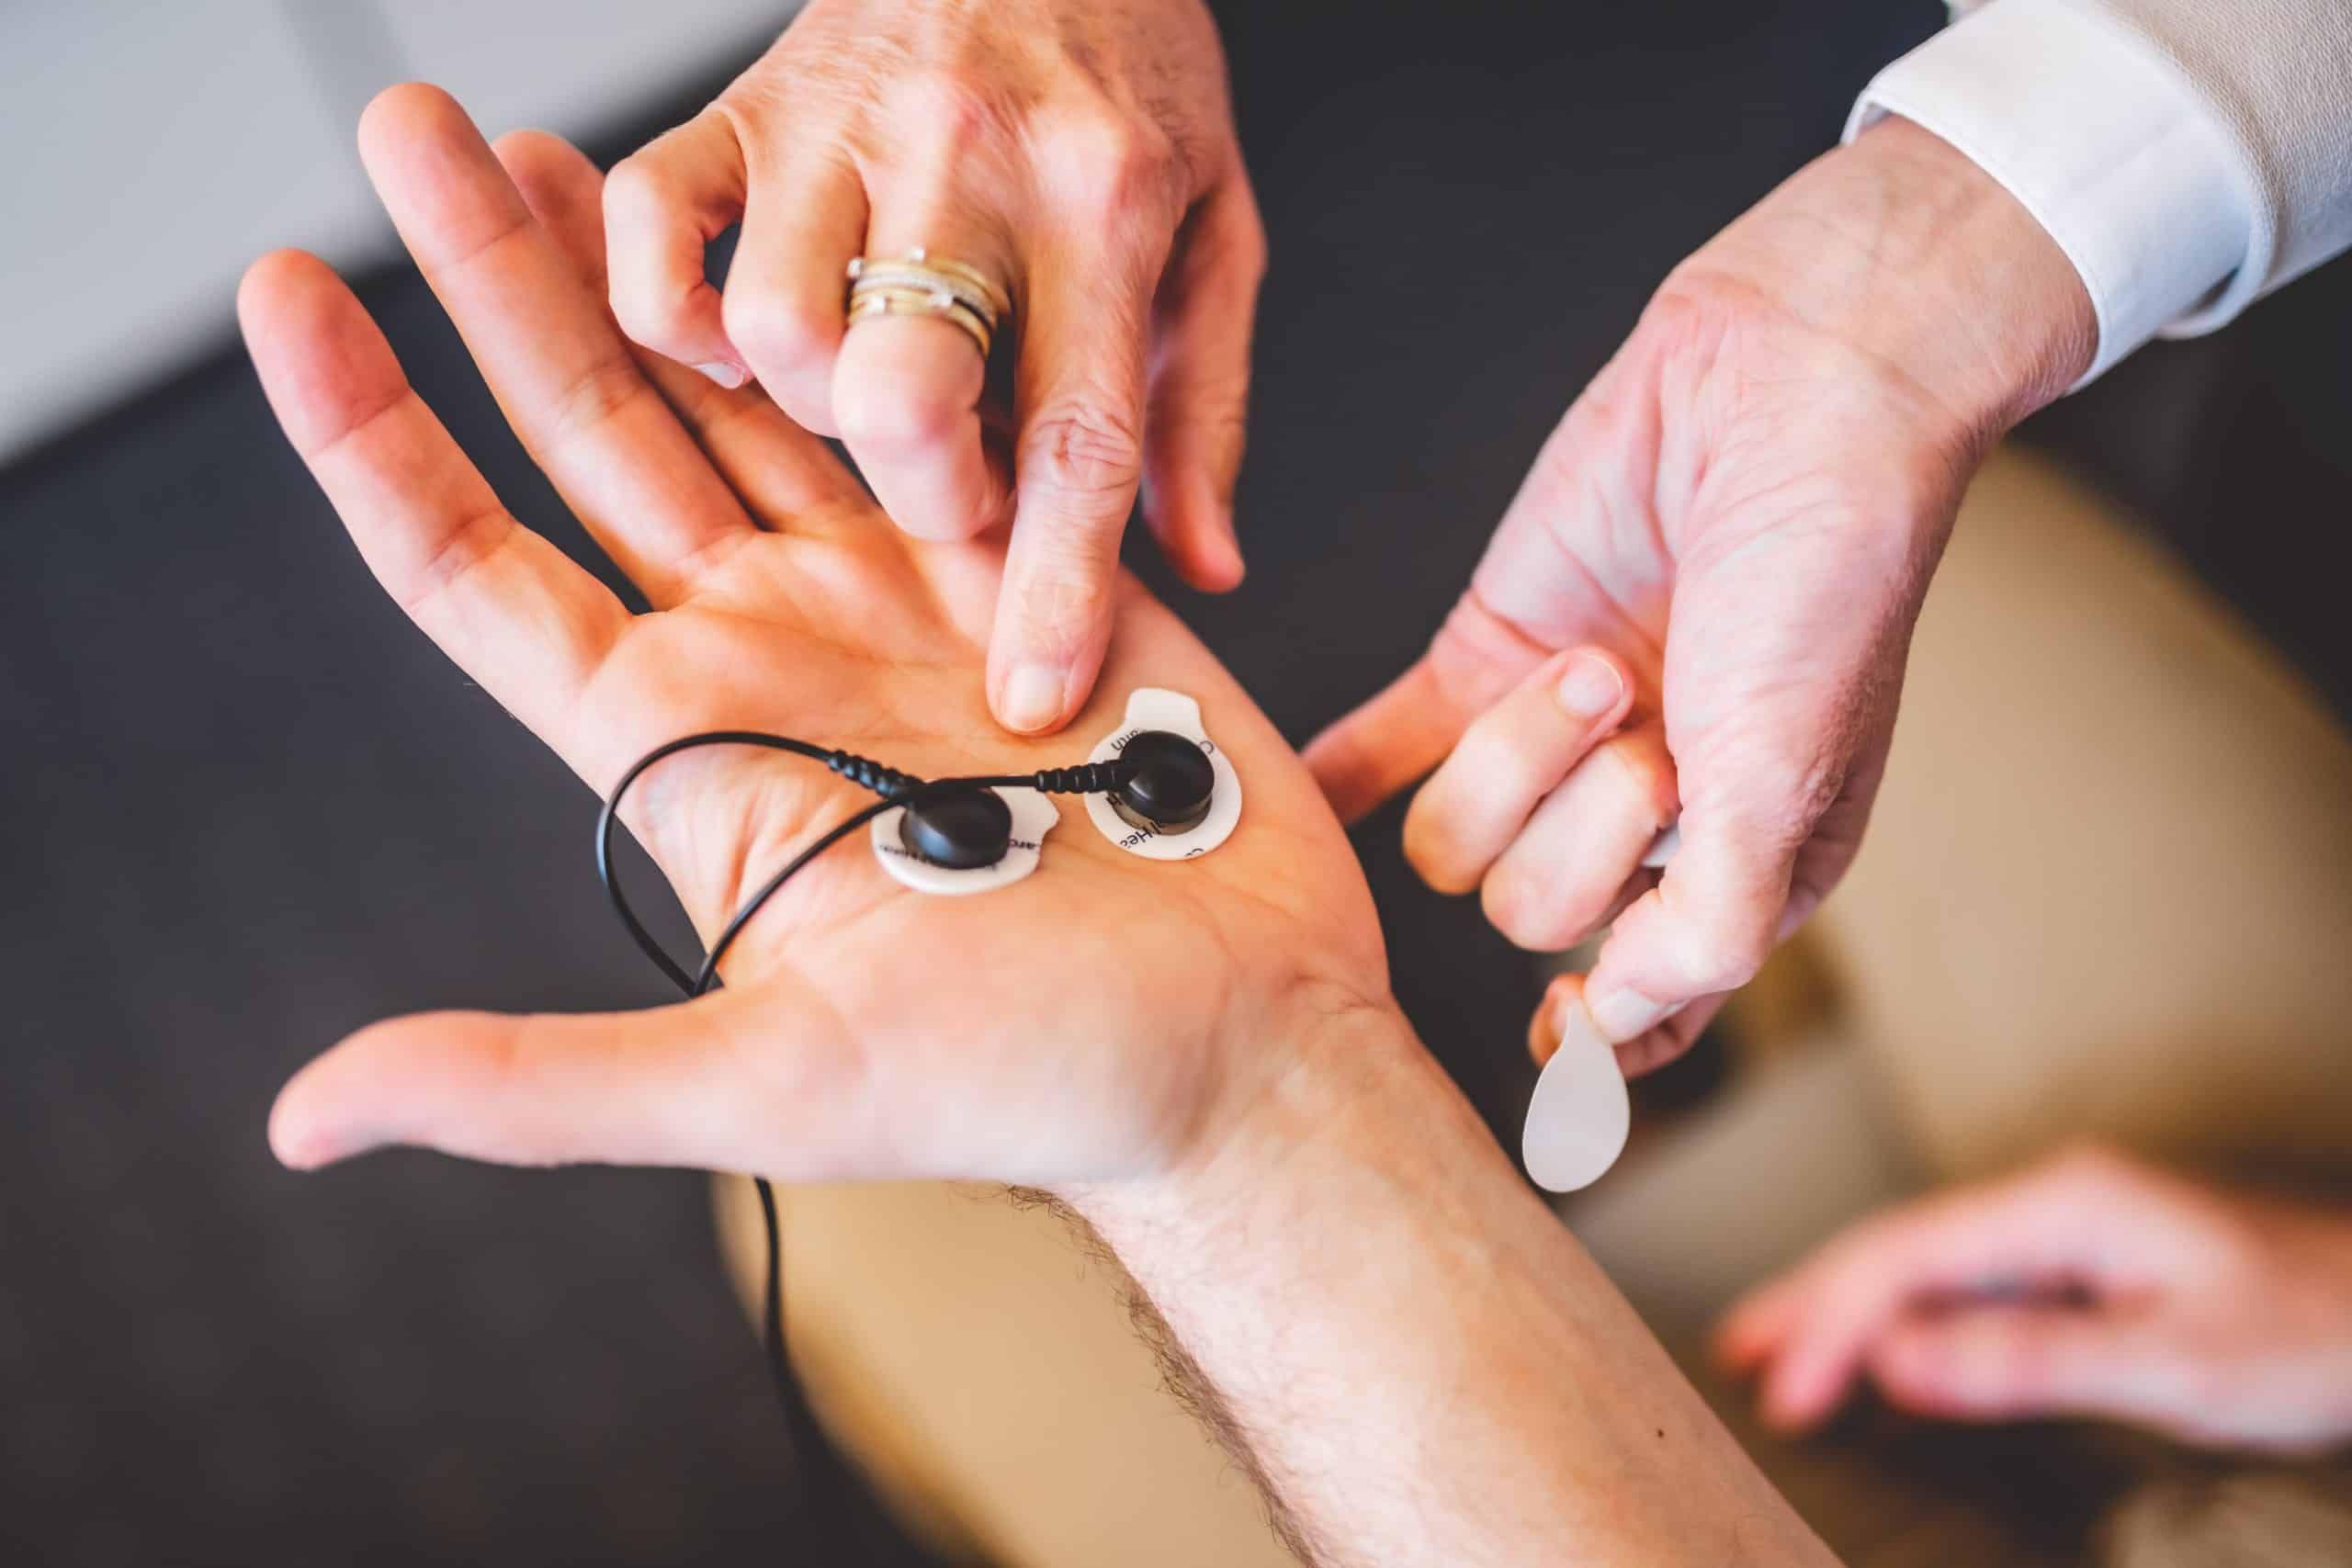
pixel 2092 130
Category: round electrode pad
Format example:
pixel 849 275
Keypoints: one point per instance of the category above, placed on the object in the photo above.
pixel 1034 817
pixel 1151 710
pixel 1580 1115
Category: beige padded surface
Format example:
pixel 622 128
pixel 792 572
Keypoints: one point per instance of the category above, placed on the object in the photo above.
pixel 983 1369
pixel 2109 884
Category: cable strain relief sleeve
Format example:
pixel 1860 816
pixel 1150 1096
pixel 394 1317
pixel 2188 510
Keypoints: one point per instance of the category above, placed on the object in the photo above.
pixel 887 782
pixel 1087 778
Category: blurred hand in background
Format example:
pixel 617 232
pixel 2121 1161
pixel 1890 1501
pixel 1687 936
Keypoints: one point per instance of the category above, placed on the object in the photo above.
pixel 2090 1286
pixel 1078 154
pixel 1741 513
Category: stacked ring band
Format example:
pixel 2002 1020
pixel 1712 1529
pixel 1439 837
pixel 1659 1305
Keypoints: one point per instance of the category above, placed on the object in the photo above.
pixel 919 284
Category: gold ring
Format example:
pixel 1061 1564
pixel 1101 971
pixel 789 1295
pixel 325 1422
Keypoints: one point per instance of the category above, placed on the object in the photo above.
pixel 923 302
pixel 920 284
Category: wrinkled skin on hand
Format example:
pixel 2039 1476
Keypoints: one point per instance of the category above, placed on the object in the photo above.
pixel 1080 154
pixel 1741 513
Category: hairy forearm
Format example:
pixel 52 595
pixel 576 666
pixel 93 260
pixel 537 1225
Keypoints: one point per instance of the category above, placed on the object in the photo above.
pixel 1421 1363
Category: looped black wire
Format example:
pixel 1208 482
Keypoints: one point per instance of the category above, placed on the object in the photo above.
pixel 895 788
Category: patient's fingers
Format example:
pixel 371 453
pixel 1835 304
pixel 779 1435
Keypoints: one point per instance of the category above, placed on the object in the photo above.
pixel 779 470
pixel 568 383
pixel 515 612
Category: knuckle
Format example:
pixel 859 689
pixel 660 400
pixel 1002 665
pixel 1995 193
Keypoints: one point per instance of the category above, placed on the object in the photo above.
pixel 1102 161
pixel 778 328
pixel 636 190
pixel 955 109
pixel 1086 448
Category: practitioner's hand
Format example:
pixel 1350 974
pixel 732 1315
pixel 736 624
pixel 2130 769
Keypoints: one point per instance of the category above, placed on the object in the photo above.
pixel 1739 518
pixel 2090 1285
pixel 1105 1016
pixel 1080 155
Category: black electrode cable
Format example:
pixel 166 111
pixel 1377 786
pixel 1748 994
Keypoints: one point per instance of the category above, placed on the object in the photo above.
pixel 895 788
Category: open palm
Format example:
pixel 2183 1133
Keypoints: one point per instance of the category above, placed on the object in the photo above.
pixel 1106 1016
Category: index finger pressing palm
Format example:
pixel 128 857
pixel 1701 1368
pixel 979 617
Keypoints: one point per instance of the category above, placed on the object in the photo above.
pixel 866 1029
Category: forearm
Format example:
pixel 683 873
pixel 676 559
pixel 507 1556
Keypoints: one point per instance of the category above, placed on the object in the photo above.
pixel 1415 1353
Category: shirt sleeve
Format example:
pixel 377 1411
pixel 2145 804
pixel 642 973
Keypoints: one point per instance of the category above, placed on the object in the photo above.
pixel 2187 156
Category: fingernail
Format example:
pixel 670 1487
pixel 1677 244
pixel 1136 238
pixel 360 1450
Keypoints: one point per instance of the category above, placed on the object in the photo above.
pixel 1550 1023
pixel 728 375
pixel 1623 1015
pixel 1589 686
pixel 1033 696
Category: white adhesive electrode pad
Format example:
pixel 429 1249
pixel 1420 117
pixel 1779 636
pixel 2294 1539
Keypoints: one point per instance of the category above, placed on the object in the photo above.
pixel 1149 708
pixel 1580 1115
pixel 1034 817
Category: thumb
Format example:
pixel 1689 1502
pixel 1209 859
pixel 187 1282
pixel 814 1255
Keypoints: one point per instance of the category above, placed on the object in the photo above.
pixel 1704 930
pixel 1773 809
pixel 2003 1362
pixel 723 1082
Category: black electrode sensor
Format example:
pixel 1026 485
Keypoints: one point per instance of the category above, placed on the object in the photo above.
pixel 962 828
pixel 1169 783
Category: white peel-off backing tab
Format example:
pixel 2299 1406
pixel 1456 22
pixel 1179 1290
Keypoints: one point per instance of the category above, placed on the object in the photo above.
pixel 1579 1121
pixel 1034 817
pixel 1149 708
pixel 1581 1114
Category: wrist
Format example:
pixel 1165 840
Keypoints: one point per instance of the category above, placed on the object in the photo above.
pixel 1902 248
pixel 1354 1083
